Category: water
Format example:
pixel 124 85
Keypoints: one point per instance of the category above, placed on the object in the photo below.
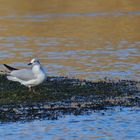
pixel 103 125
pixel 83 39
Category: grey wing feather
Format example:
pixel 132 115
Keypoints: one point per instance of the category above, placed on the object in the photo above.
pixel 23 74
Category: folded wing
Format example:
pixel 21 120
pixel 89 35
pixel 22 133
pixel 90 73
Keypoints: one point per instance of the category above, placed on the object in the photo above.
pixel 23 74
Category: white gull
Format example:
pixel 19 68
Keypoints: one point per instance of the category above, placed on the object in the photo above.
pixel 28 77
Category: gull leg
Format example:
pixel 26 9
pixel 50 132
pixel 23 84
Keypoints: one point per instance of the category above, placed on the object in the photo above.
pixel 33 90
pixel 30 89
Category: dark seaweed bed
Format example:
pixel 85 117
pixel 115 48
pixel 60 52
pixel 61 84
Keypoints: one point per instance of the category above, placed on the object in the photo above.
pixel 58 96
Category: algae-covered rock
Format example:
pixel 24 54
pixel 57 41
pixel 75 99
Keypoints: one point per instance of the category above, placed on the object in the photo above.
pixel 62 95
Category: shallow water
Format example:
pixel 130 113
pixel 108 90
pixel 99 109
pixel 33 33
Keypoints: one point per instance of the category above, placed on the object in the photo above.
pixel 113 124
pixel 84 39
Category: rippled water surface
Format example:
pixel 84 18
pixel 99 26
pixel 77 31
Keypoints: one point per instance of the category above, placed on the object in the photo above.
pixel 85 39
pixel 113 124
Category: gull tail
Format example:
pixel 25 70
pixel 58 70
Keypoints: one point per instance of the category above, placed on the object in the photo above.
pixel 12 78
pixel 9 67
pixel 8 75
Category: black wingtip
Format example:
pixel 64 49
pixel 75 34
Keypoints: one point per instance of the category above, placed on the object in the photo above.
pixel 9 67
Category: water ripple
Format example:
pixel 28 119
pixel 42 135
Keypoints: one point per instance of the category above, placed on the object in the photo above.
pixel 41 18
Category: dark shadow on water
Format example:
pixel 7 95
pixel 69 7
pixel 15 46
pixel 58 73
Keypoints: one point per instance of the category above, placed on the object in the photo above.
pixel 60 96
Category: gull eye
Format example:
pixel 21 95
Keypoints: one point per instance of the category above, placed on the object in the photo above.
pixel 36 61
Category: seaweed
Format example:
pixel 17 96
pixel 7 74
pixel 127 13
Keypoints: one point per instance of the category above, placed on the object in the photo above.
pixel 63 95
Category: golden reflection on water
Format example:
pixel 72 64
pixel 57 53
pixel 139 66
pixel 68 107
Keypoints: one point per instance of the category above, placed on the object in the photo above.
pixel 83 38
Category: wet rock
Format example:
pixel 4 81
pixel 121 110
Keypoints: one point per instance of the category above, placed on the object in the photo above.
pixel 59 96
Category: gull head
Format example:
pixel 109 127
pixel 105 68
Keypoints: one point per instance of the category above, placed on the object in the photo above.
pixel 34 61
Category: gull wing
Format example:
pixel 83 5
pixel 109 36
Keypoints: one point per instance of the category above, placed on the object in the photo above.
pixel 9 67
pixel 23 74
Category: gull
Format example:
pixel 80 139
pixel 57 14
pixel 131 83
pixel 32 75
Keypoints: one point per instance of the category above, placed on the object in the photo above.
pixel 28 77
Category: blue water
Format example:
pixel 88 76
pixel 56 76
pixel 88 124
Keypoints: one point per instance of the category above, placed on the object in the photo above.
pixel 116 124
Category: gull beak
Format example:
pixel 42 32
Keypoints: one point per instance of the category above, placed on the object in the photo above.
pixel 29 63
